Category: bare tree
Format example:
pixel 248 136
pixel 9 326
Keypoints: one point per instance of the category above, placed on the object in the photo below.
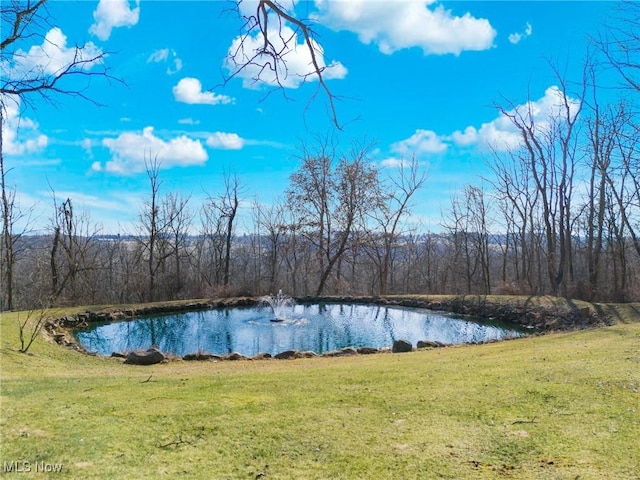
pixel 464 241
pixel 179 218
pixel 153 228
pixel 311 194
pixel 519 201
pixel 331 201
pixel 73 252
pixel 273 220
pixel 603 127
pixel 218 219
pixel 162 234
pixel 15 224
pixel 30 327
pixel 230 204
pixel 21 78
pixel 394 204
pixel 551 156
pixel 210 247
pixel 626 187
pixel 620 43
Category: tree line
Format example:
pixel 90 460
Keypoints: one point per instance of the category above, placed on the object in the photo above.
pixel 560 217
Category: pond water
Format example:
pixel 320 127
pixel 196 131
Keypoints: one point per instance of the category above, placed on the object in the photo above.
pixel 319 328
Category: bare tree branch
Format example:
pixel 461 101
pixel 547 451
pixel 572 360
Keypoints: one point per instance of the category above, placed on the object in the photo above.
pixel 277 42
pixel 24 77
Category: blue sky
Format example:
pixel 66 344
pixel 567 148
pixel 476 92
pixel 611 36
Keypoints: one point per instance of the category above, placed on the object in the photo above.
pixel 414 77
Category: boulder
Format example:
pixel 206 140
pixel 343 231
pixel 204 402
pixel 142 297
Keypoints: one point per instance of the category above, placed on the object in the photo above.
pixel 199 357
pixel 114 316
pixel 59 337
pixel 348 351
pixel 429 344
pixel 234 356
pixel 287 354
pixel 585 312
pixel 263 356
pixel 367 350
pixel 345 352
pixel 401 346
pixel 144 357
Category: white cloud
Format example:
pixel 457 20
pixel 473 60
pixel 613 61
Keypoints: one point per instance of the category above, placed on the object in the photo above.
pixel 20 135
pixel 50 58
pixel 110 14
pixel 189 90
pixel 87 146
pixel 188 121
pixel 468 137
pixel 422 141
pixel 166 55
pixel 398 24
pixel 130 150
pixel 226 141
pixel 296 66
pixel 177 66
pixel 393 162
pixel 159 56
pixel 92 201
pixel 501 134
pixel 517 36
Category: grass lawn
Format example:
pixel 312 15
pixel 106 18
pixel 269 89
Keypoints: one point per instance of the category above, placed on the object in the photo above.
pixel 558 406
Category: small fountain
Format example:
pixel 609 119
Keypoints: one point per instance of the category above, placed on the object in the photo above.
pixel 279 304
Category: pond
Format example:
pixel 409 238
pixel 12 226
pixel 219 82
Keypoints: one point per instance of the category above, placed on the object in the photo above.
pixel 319 328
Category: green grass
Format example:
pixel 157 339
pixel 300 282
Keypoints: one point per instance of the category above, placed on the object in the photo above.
pixel 560 406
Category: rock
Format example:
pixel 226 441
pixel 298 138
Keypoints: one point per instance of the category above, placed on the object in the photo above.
pixel 118 355
pixel 429 344
pixel 585 312
pixel 401 346
pixel 345 352
pixel 115 316
pixel 144 357
pixel 262 356
pixel 367 350
pixel 198 357
pixel 59 337
pixel 348 351
pixel 235 356
pixel 287 355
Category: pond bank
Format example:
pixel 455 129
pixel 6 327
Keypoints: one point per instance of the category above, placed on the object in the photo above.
pixel 540 314
pixel 543 314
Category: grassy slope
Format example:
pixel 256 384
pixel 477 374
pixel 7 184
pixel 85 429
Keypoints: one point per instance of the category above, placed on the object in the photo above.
pixel 557 406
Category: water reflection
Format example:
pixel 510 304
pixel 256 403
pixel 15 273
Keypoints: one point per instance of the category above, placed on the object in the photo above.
pixel 320 328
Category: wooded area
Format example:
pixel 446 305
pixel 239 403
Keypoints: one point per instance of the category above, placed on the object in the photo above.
pixel 342 228
pixel 559 216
